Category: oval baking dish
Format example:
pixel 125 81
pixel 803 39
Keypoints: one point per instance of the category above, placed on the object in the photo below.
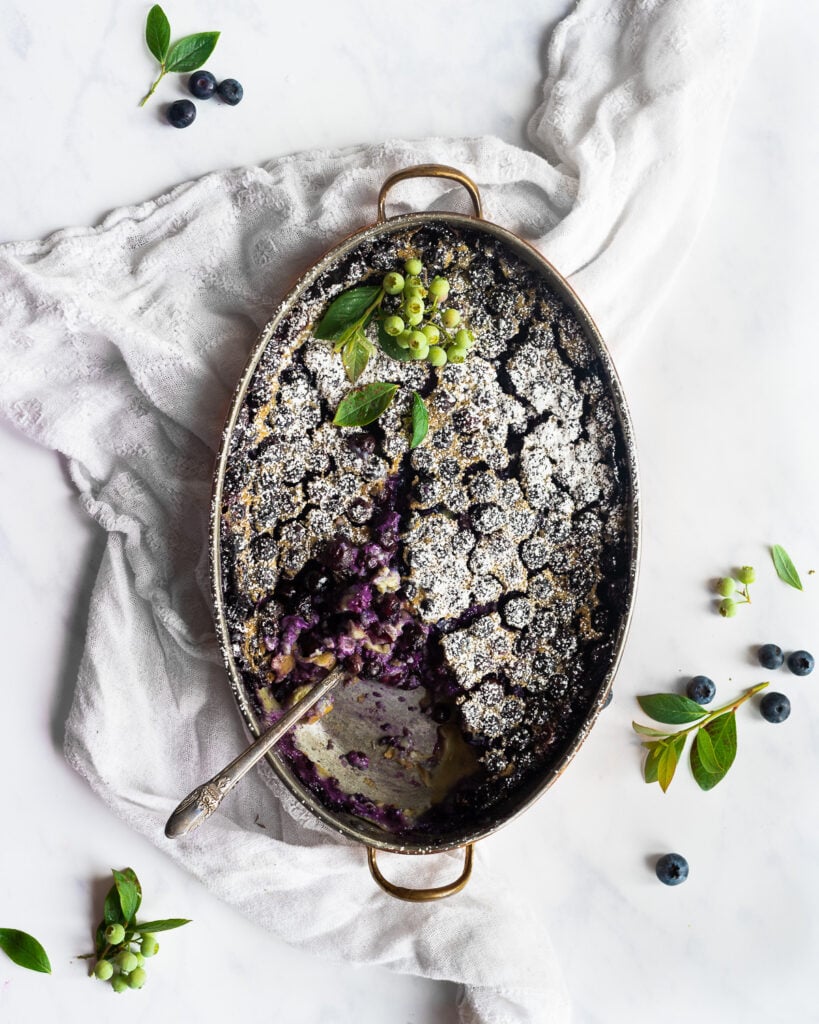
pixel 508 541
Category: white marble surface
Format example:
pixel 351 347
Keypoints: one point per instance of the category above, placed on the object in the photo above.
pixel 722 395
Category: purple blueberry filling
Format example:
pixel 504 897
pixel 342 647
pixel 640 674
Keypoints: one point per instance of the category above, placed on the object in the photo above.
pixel 348 606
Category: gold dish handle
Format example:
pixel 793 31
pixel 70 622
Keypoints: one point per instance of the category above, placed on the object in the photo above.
pixel 428 171
pixel 422 895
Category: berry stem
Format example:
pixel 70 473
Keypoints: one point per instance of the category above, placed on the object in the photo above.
pixel 730 706
pixel 152 90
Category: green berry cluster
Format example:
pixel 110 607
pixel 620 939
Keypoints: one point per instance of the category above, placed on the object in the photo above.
pixel 122 962
pixel 123 944
pixel 734 591
pixel 419 322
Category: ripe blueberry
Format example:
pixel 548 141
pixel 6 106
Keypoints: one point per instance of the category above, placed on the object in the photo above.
pixel 202 84
pixel 701 689
pixel 800 663
pixel 672 868
pixel 181 114
pixel 770 656
pixel 230 91
pixel 775 707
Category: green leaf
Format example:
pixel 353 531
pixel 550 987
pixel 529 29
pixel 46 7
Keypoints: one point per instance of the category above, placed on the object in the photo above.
pixel 355 356
pixel 158 33
pixel 644 730
pixel 785 569
pixel 191 52
pixel 161 926
pixel 24 950
pixel 112 908
pixel 722 734
pixel 420 420
pixel 705 780
pixel 652 761
pixel 390 345
pixel 668 760
pixel 130 893
pixel 364 405
pixel 671 708
pixel 345 310
pixel 706 752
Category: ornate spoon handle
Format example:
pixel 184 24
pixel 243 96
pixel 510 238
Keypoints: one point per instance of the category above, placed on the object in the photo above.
pixel 198 805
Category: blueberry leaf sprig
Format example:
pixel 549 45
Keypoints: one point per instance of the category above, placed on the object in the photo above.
pixel 734 592
pixel 122 944
pixel 24 950
pixel 408 327
pixel 715 741
pixel 785 569
pixel 187 54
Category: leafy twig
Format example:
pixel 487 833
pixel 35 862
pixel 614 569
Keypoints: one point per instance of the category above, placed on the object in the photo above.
pixel 121 942
pixel 715 743
pixel 186 54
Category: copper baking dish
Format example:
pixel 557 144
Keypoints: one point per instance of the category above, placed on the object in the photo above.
pixel 578 408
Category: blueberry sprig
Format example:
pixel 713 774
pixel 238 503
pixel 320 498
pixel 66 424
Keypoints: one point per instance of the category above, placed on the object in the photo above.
pixel 122 945
pixel 412 324
pixel 186 54
pixel 734 592
pixel 715 742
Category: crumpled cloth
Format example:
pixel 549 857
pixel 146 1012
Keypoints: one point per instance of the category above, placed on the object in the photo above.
pixel 121 346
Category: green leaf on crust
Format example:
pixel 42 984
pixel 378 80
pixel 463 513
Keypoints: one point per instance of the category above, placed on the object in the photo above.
pixel 420 420
pixel 363 405
pixel 390 346
pixel 345 310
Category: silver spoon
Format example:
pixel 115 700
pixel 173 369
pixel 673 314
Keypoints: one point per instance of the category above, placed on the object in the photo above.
pixel 198 805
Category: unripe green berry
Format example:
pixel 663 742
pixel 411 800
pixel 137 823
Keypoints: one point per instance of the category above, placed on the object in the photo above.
pixel 402 341
pixel 137 978
pixel 726 586
pixel 114 934
pixel 451 317
pixel 465 338
pixel 413 266
pixel 393 283
pixel 417 340
pixel 393 325
pixel 149 947
pixel 746 574
pixel 414 304
pixel 727 608
pixel 437 356
pixel 439 288
pixel 456 354
pixel 119 984
pixel 126 961
pixel 432 333
pixel 413 319
pixel 103 969
pixel 420 353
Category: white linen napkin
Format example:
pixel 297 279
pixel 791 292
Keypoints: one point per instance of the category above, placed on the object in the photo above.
pixel 121 346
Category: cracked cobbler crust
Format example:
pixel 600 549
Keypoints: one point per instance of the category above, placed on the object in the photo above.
pixel 514 542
